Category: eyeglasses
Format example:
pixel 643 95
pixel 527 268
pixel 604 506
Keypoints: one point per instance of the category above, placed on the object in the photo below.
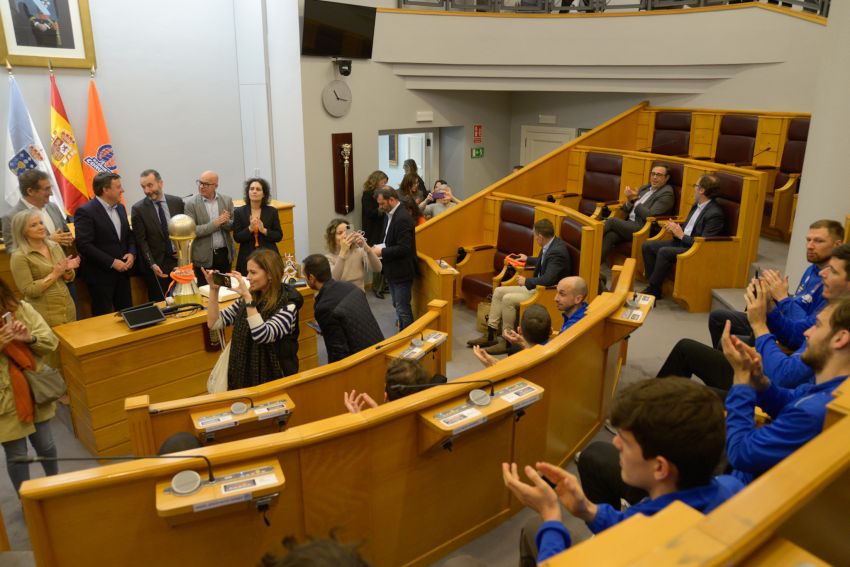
pixel 204 183
pixel 657 174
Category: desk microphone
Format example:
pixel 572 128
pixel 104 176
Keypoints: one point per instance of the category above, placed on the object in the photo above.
pixel 664 145
pixel 180 307
pixel 477 397
pixel 216 401
pixel 404 338
pixel 757 154
pixel 183 483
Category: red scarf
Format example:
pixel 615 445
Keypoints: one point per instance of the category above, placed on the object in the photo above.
pixel 20 359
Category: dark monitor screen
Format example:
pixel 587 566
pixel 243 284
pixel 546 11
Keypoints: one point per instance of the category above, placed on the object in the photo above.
pixel 332 29
pixel 144 316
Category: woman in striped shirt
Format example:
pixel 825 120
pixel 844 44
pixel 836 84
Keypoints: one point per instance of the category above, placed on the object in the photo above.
pixel 264 345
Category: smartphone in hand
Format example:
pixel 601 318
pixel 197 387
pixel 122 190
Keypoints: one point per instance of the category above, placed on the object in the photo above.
pixel 221 280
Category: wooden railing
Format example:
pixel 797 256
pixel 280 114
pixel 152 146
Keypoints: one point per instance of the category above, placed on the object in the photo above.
pixel 384 476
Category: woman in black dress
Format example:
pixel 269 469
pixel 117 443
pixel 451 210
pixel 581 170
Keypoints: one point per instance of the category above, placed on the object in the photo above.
pixel 255 224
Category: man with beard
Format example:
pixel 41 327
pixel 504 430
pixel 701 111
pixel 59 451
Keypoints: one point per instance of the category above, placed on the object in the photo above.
pixel 788 315
pixel 797 415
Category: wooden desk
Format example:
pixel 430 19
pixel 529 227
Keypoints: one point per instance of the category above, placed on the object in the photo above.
pixel 103 363
pixel 432 340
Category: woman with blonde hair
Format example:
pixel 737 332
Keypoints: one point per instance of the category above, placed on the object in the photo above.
pixel 350 257
pixel 41 269
pixel 26 341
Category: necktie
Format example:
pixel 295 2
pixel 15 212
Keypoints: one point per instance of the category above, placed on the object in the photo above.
pixel 163 225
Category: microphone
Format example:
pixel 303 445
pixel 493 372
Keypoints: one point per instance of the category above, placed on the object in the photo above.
pixel 218 401
pixel 399 339
pixel 210 477
pixel 475 396
pixel 180 307
pixel 757 154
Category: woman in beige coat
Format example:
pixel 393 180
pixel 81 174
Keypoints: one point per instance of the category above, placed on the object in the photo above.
pixel 41 269
pixel 24 344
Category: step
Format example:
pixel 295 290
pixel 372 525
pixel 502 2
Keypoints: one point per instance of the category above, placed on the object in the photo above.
pixel 731 298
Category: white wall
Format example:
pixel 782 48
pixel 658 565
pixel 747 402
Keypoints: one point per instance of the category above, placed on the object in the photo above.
pixel 168 87
pixel 452 152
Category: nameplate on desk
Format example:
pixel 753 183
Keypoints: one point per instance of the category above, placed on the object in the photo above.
pixel 270 410
pixel 217 421
pixel 460 415
pixel 519 395
pixel 248 483
pixel 644 299
pixel 410 352
pixel 632 315
pixel 436 338
pixel 235 499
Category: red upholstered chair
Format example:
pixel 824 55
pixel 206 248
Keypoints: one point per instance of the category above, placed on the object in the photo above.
pixel 737 139
pixel 779 203
pixel 515 236
pixel 672 135
pixel 601 183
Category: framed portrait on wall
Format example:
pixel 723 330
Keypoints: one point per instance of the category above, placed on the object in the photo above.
pixel 393 150
pixel 37 32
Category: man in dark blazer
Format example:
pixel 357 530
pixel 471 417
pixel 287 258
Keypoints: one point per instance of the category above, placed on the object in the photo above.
pixel 397 253
pixel 213 215
pixel 150 218
pixel 36 191
pixel 706 218
pixel 341 310
pixel 550 267
pixel 650 200
pixel 106 245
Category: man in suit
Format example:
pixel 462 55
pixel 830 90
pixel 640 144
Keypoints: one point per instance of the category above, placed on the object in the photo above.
pixel 706 218
pixel 150 227
pixel 397 252
pixel 213 216
pixel 36 191
pixel 106 245
pixel 550 267
pixel 341 310
pixel 650 200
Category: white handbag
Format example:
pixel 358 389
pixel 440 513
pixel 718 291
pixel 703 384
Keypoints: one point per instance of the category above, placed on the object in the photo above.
pixel 217 382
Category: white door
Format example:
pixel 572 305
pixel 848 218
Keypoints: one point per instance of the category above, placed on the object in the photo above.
pixel 538 141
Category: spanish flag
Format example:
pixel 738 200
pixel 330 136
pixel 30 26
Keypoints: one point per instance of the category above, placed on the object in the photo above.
pixel 64 155
pixel 97 156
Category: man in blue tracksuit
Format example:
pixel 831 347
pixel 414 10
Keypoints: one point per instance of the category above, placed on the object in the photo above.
pixel 788 315
pixel 797 415
pixel 670 439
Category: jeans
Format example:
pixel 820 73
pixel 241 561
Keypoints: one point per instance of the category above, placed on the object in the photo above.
pixel 400 293
pixel 42 442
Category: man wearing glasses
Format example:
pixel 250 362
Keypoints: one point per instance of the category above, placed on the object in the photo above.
pixel 651 200
pixel 213 216
pixel 706 218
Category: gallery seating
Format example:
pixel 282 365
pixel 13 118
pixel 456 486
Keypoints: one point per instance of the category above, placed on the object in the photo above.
pixel 781 201
pixel 672 135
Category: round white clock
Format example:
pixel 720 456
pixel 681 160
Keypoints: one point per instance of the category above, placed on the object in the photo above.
pixel 336 98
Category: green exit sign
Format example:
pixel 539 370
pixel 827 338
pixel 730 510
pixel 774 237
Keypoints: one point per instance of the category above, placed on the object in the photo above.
pixel 476 152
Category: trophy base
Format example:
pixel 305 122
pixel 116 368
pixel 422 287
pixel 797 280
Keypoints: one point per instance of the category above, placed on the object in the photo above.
pixel 186 293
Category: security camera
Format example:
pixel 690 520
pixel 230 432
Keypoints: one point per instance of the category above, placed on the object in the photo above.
pixel 344 66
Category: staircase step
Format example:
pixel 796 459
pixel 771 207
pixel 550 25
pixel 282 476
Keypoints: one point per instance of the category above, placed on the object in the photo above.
pixel 728 298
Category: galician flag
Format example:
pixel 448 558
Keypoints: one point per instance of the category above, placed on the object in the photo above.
pixel 64 154
pixel 98 156
pixel 23 147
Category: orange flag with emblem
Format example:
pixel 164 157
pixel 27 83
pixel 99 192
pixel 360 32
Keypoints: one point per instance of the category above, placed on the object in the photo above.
pixel 98 156
pixel 64 155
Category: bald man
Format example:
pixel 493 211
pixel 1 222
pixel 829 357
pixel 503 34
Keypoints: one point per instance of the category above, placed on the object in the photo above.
pixel 213 216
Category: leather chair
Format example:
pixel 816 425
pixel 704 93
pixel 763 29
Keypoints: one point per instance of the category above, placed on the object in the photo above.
pixel 779 204
pixel 736 141
pixel 515 236
pixel 601 183
pixel 672 135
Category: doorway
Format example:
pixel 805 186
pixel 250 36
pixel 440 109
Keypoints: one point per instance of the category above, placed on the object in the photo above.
pixel 537 141
pixel 396 146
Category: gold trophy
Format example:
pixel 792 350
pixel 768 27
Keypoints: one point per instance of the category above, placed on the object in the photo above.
pixel 181 229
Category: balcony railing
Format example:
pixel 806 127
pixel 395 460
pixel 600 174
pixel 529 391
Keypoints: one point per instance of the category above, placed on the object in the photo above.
pixel 819 7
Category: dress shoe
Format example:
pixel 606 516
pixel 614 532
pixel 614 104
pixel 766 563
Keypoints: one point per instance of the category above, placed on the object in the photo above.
pixel 379 294
pixel 654 291
pixel 488 339
pixel 500 347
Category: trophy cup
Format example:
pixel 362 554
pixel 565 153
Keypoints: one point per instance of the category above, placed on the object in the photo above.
pixel 181 229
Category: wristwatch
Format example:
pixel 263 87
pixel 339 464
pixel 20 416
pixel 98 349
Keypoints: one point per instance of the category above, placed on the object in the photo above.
pixel 250 304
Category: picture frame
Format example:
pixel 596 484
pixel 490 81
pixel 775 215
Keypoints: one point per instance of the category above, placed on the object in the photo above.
pixel 46 33
pixel 393 150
